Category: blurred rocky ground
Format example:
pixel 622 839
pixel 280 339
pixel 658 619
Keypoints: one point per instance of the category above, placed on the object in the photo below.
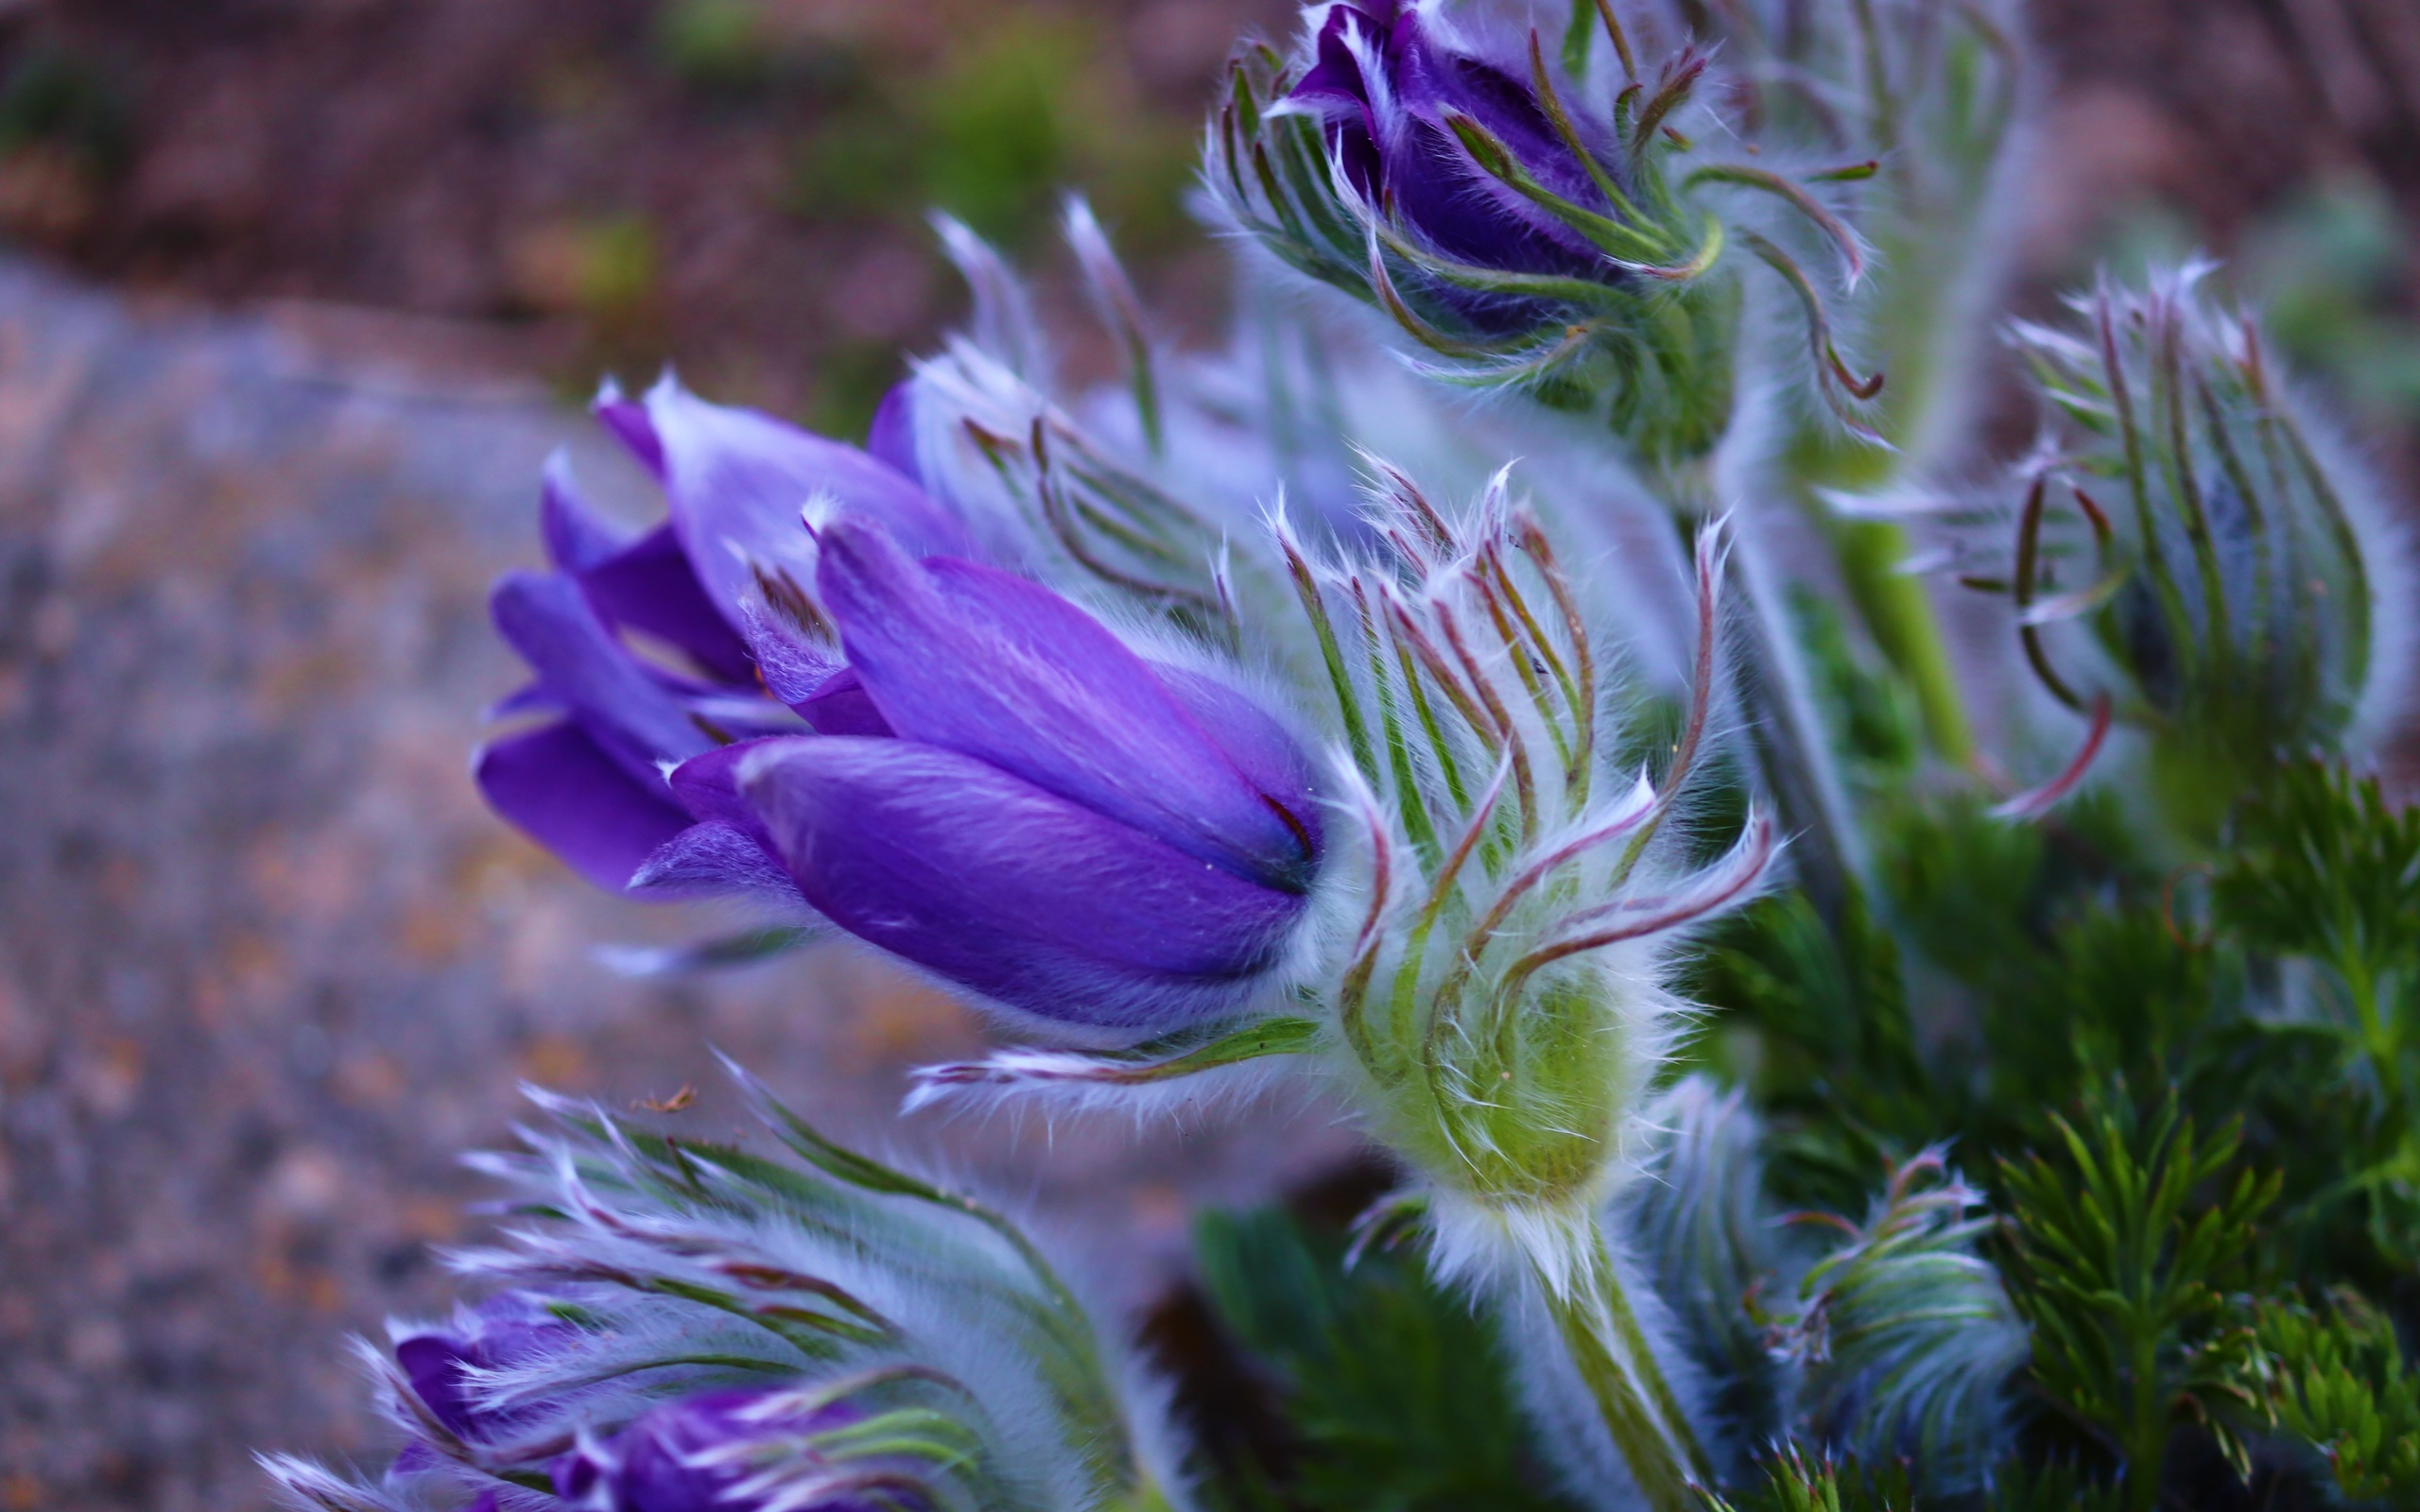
pixel 300 291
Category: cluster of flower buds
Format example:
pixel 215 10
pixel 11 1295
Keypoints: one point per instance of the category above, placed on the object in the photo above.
pixel 1528 223
pixel 689 1327
pixel 2189 554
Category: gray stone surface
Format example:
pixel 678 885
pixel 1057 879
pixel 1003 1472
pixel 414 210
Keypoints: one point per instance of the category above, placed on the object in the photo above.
pixel 267 965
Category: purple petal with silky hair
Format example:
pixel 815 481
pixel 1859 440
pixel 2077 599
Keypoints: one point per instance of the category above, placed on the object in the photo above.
pixel 713 859
pixel 669 1460
pixel 737 481
pixel 991 665
pixel 557 786
pixel 1010 890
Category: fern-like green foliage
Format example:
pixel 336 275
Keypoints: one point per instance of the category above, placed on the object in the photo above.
pixel 2122 1265
pixel 1834 1054
pixel 2324 868
pixel 2334 1378
pixel 2324 878
pixel 1795 1481
pixel 1395 1390
pixel 2055 1485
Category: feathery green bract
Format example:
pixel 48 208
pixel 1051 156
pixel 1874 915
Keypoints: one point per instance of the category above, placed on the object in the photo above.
pixel 2124 1244
pixel 1698 1219
pixel 2191 552
pixel 1905 1338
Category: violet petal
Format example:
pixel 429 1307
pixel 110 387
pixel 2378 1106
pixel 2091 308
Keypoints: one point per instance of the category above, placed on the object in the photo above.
pixel 650 586
pixel 792 664
pixel 991 665
pixel 556 787
pixel 1010 890
pixel 737 481
pixel 713 859
pixel 575 539
pixel 633 716
pixel 892 439
pixel 842 707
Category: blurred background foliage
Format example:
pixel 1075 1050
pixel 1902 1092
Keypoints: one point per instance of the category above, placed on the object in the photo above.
pixel 739 184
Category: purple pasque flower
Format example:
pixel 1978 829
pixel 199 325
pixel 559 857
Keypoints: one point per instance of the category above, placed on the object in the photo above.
pixel 723 586
pixel 725 1452
pixel 444 1365
pixel 1009 796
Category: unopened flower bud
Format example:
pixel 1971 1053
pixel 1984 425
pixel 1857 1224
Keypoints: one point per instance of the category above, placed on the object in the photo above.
pixel 2188 549
pixel 1530 226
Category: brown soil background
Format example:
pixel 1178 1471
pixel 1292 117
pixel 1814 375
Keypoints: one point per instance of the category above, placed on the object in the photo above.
pixel 298 295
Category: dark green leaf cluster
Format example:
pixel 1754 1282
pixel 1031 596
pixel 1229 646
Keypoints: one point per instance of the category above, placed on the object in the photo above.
pixel 1394 1392
pixel 2122 1268
pixel 2334 1377
pixel 1797 1482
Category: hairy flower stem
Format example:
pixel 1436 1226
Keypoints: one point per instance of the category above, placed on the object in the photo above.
pixel 1602 1334
pixel 1898 613
pixel 1793 750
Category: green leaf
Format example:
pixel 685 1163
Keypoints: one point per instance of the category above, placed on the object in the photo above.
pixel 1395 1391
pixel 2120 1265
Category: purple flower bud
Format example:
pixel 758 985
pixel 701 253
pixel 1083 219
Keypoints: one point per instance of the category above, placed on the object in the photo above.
pixel 512 1327
pixel 721 1452
pixel 1025 806
pixel 1524 229
pixel 1386 86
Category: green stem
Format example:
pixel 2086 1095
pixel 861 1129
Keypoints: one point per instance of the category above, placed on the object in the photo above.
pixel 1609 1348
pixel 2379 1038
pixel 1900 615
pixel 2147 1452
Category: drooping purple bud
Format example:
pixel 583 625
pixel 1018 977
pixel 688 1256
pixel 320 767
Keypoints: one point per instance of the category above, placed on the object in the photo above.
pixel 1389 90
pixel 1029 808
pixel 721 1452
